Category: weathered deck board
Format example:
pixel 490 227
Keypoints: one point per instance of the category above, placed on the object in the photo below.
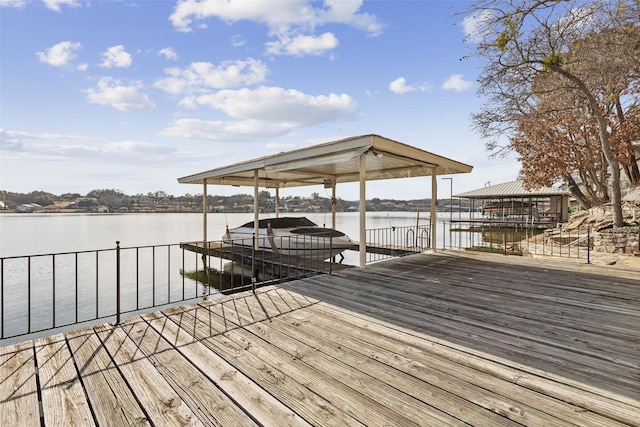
pixel 414 399
pixel 430 339
pixel 111 399
pixel 18 388
pixel 153 392
pixel 265 408
pixel 281 376
pixel 480 326
pixel 64 400
pixel 352 376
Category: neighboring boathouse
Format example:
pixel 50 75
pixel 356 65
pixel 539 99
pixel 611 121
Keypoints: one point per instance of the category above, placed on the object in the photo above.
pixel 512 202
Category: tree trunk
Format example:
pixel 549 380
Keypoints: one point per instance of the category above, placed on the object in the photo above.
pixel 577 193
pixel 614 166
pixel 630 164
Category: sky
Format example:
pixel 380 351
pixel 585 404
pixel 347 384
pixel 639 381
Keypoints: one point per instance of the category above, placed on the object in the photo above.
pixel 132 95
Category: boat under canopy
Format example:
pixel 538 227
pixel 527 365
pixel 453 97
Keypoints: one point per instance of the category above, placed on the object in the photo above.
pixel 356 159
pixel 297 236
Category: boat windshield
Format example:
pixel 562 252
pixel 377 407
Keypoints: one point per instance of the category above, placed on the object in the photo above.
pixel 283 222
pixel 319 232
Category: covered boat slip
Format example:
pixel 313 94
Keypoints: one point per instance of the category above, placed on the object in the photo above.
pixel 357 159
pixel 511 203
pixel 445 338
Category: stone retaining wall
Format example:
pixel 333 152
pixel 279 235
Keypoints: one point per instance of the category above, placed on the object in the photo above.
pixel 617 241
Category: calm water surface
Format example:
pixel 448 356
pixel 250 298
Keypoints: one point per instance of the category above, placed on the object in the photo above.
pixel 30 234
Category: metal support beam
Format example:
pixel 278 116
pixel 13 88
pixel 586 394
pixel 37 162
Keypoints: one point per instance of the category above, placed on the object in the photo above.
pixel 277 200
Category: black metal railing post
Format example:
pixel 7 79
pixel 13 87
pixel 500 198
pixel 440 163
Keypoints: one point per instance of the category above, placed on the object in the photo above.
pixel 29 294
pixel 588 245
pixel 53 286
pixel 504 239
pixel 253 263
pixel 117 282
pixel 332 259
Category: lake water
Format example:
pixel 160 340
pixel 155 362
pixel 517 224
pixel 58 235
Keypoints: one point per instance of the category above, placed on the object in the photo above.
pixel 30 234
pixel 41 291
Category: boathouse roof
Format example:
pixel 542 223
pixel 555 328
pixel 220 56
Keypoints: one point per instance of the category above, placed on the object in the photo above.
pixel 512 189
pixel 337 160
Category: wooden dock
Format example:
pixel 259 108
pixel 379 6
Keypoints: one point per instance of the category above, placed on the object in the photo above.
pixel 426 340
pixel 272 264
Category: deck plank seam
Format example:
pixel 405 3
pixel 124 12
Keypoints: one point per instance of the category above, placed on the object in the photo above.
pixel 238 336
pixel 361 335
pixel 215 383
pixel 530 370
pixel 116 365
pixel 287 329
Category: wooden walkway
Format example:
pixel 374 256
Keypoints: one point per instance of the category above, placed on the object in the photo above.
pixel 429 339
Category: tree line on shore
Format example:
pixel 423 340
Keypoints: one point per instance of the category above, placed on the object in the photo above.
pixel 115 200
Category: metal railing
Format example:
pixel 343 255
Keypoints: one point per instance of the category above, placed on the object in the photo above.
pixel 53 291
pixel 57 291
pixel 383 243
pixel 514 238
pixel 49 291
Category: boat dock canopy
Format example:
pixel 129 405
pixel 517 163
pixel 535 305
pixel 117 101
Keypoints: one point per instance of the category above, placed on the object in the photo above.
pixel 338 161
pixel 512 189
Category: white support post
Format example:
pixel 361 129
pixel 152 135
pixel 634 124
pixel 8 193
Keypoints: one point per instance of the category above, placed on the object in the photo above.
pixel 205 209
pixel 277 200
pixel 256 209
pixel 434 209
pixel 363 210
pixel 333 204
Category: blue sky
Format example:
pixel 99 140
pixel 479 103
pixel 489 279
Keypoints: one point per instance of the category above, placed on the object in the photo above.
pixel 132 95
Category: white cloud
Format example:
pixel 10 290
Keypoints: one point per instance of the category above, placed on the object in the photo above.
pixel 49 4
pixel 137 147
pixel 300 45
pixel 280 147
pixel 6 135
pixel 475 26
pixel 13 3
pixel 56 4
pixel 168 53
pixel 113 93
pixel 237 40
pixel 230 131
pixel 400 86
pixel 116 56
pixel 288 21
pixel 262 113
pixel 60 147
pixel 201 77
pixel 61 54
pixel 457 83
pixel 280 105
pixel 346 12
